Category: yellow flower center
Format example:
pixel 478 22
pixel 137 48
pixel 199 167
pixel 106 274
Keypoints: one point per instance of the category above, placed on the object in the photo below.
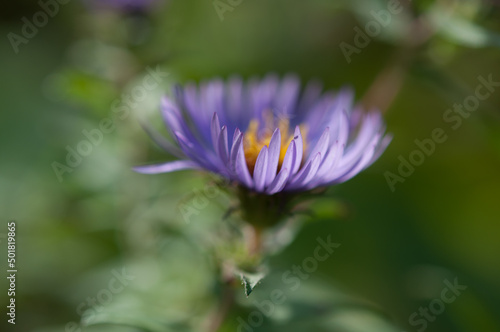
pixel 255 138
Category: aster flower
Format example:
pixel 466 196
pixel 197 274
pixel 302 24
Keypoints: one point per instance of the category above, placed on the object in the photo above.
pixel 268 136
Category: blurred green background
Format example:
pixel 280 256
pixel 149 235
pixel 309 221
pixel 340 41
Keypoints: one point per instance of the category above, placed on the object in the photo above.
pixel 74 234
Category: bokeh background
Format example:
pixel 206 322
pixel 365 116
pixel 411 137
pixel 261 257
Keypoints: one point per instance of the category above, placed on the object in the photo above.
pixel 77 232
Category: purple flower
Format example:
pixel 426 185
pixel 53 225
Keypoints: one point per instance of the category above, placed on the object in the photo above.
pixel 127 5
pixel 269 136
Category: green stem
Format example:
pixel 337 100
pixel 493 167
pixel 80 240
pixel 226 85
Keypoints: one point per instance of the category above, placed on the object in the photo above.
pixel 254 240
pixel 225 305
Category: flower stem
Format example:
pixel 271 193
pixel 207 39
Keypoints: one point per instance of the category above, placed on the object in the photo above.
pixel 387 84
pixel 254 240
pixel 225 303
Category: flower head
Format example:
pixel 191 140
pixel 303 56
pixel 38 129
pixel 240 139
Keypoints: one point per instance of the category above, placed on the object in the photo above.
pixel 269 136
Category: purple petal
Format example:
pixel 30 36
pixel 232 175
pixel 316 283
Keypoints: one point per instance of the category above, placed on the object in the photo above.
pixel 369 156
pixel 197 154
pixel 306 174
pixel 343 125
pixel 335 152
pixel 321 146
pixel 166 167
pixel 381 148
pixel 311 93
pixel 299 147
pixel 260 171
pixel 325 111
pixel 284 174
pixel 369 128
pixel 237 140
pixel 313 171
pixel 173 117
pixel 223 149
pixel 215 131
pixel 316 117
pixel 279 182
pixel 264 94
pixel 330 159
pixel 286 98
pixel 191 101
pixel 241 167
pixel 347 171
pixel 273 156
pixel 212 94
pixel 234 101
pixel 290 156
pixel 328 165
pixel 360 165
pixel 161 141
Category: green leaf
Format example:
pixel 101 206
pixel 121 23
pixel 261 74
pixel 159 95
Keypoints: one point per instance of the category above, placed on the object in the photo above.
pixel 250 280
pixel 463 32
pixel 470 34
pixel 142 322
